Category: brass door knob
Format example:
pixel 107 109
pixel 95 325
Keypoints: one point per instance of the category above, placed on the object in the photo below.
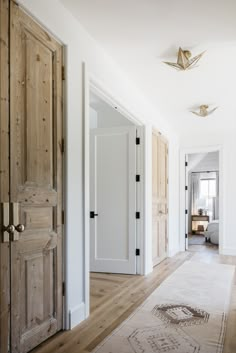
pixel 20 228
pixel 9 229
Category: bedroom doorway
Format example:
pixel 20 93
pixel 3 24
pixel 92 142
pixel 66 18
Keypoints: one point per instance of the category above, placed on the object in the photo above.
pixel 202 176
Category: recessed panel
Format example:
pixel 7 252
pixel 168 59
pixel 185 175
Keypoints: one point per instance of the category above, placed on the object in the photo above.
pixel 39 112
pixel 38 218
pixel 112 199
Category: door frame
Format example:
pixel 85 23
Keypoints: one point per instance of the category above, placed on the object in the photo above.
pixel 183 206
pixel 159 134
pixel 90 83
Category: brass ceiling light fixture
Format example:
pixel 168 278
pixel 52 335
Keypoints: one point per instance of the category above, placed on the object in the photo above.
pixel 184 61
pixel 203 111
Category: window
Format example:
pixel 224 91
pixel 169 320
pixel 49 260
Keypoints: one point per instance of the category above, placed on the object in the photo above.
pixel 207 188
pixel 207 195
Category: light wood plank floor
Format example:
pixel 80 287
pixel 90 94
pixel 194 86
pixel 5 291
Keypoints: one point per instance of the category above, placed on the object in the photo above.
pixel 115 297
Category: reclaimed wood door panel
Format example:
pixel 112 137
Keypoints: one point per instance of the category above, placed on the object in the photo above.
pixel 4 177
pixel 159 198
pixel 36 182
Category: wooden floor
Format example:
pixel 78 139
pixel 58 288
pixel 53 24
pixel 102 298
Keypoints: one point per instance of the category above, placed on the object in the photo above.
pixel 115 297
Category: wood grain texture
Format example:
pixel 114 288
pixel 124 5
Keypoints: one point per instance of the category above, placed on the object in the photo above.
pixel 4 171
pixel 159 198
pixel 115 297
pixel 36 182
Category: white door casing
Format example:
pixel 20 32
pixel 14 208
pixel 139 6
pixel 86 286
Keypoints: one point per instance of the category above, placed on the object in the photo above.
pixel 186 202
pixel 113 198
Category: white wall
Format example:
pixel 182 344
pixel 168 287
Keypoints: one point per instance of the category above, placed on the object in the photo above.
pixel 227 144
pixel 80 48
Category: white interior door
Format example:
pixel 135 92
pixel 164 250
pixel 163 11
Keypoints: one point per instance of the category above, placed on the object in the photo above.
pixel 113 200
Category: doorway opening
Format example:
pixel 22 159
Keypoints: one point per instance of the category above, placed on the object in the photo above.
pixel 115 187
pixel 202 199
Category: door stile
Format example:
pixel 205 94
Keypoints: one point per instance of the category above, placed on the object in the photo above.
pixel 4 177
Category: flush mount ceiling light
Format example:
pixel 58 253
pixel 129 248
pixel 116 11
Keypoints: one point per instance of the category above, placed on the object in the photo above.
pixel 203 111
pixel 184 61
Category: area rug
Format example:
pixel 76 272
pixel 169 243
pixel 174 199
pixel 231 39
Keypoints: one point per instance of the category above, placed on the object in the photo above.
pixel 196 240
pixel 186 314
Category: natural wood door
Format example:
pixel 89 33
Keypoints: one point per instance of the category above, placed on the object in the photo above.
pixel 159 198
pixel 4 177
pixel 35 182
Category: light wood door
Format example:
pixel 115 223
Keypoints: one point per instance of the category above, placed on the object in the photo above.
pixel 159 198
pixel 113 198
pixel 35 182
pixel 4 178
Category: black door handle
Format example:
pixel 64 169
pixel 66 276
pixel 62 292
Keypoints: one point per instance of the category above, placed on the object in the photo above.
pixel 93 214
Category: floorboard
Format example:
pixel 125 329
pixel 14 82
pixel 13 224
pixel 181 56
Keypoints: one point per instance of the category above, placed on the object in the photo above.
pixel 115 297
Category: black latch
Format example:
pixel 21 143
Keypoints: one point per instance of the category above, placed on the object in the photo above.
pixel 137 140
pixel 93 214
pixel 186 236
pixel 186 188
pixel 186 211
pixel 137 177
pixel 137 215
pixel 137 252
pixel 186 164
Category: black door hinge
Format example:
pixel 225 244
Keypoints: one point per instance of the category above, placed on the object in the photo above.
pixel 137 140
pixel 186 164
pixel 137 252
pixel 63 217
pixel 137 177
pixel 186 188
pixel 93 214
pixel 63 145
pixel 186 236
pixel 63 289
pixel 63 75
pixel 137 215
pixel 186 211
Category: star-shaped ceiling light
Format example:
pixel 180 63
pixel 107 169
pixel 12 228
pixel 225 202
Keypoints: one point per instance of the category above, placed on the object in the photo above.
pixel 203 111
pixel 184 61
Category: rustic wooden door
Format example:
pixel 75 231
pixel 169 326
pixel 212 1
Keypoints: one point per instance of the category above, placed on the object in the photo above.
pixel 159 198
pixel 4 178
pixel 35 185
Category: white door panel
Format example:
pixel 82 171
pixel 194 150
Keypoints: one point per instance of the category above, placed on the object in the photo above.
pixel 112 197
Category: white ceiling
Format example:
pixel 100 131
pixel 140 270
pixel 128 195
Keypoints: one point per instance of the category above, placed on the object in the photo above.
pixel 140 34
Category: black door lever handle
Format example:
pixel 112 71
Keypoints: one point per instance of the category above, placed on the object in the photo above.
pixel 93 214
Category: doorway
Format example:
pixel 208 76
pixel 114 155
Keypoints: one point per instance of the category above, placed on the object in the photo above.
pixel 203 201
pixel 31 296
pixel 115 179
pixel 159 197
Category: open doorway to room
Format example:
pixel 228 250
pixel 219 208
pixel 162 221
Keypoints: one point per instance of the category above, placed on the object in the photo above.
pixel 202 201
pixel 115 196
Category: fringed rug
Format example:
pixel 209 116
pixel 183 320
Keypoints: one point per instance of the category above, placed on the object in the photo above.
pixel 186 314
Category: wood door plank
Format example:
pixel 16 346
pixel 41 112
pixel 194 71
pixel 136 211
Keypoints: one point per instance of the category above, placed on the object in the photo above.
pixel 4 171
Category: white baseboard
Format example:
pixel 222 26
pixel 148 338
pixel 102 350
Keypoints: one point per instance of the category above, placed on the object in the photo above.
pixel 77 315
pixel 229 251
pixel 173 252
